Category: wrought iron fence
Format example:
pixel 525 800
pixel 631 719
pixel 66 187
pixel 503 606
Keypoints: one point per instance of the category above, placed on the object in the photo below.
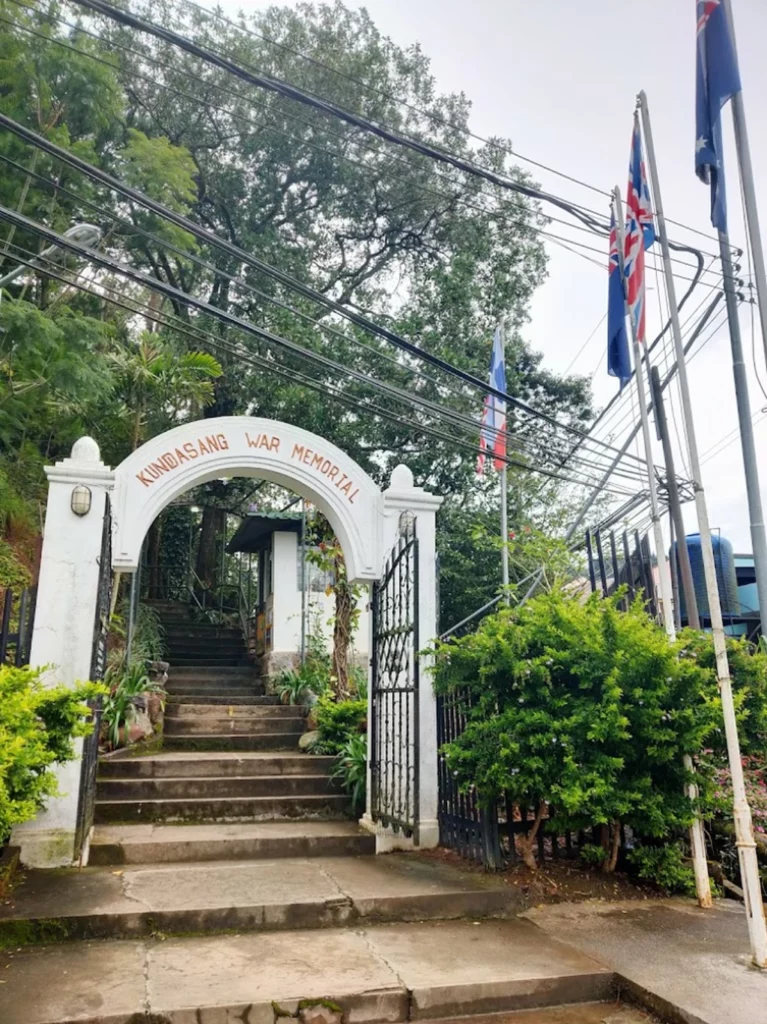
pixel 489 833
pixel 394 760
pixel 86 801
pixel 16 624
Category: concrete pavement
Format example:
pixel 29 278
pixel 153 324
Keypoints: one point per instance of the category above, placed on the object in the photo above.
pixel 691 966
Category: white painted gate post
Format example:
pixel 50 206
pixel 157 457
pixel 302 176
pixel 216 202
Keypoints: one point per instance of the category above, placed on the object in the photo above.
pixel 403 496
pixel 62 639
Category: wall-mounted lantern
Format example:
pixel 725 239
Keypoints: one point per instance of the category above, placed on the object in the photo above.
pixel 81 500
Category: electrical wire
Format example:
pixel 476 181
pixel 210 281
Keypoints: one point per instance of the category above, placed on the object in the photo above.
pixel 209 237
pixel 583 347
pixel 248 357
pixel 153 284
pixel 516 440
pixel 451 198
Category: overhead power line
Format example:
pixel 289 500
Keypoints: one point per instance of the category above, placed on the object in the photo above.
pixel 245 356
pixel 293 283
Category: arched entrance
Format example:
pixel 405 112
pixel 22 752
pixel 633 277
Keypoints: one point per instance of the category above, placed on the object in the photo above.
pixel 373 526
pixel 163 468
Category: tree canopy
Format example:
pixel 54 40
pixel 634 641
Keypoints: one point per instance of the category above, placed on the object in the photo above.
pixel 426 250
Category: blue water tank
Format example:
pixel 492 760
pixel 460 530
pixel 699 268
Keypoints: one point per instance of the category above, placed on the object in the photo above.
pixel 726 576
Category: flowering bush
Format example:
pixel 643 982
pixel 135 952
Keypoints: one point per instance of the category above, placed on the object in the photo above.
pixel 755 773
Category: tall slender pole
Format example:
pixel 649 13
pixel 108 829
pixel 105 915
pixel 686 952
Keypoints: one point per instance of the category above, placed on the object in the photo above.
pixel 749 191
pixel 746 424
pixel 504 506
pixel 660 546
pixel 683 555
pixel 744 831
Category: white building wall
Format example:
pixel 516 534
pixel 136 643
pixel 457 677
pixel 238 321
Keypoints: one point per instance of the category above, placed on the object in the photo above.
pixel 320 608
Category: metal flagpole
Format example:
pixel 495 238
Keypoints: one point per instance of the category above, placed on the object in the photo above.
pixel 749 192
pixel 746 424
pixel 504 502
pixel 660 546
pixel 744 832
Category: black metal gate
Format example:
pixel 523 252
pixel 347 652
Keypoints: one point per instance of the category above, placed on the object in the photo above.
pixel 90 756
pixel 394 753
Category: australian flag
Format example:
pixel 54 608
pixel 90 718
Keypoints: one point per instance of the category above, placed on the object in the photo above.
pixel 492 436
pixel 717 81
pixel 618 359
pixel 640 233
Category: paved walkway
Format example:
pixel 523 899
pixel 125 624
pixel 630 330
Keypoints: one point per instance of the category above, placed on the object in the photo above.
pixel 690 965
pixel 378 975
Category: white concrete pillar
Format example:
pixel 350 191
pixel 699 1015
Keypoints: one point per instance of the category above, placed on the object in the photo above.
pixel 62 639
pixel 403 496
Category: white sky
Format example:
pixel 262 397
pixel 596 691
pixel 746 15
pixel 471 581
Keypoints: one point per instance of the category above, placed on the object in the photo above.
pixel 560 79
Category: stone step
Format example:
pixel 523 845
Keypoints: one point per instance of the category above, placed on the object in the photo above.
pixel 225 725
pixel 267 894
pixel 196 630
pixel 212 663
pixel 374 974
pixel 233 808
pixel 225 697
pixel 232 741
pixel 206 765
pixel 216 687
pixel 246 671
pixel 162 844
pixel 214 788
pixel 269 710
pixel 203 647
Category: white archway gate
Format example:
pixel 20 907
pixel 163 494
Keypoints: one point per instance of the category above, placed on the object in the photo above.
pixel 368 522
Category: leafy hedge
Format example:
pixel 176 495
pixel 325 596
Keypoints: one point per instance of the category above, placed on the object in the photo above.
pixel 582 708
pixel 37 729
pixel 338 722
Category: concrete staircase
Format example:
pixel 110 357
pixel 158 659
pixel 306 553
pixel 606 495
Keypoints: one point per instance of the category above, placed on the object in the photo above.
pixel 193 641
pixel 215 863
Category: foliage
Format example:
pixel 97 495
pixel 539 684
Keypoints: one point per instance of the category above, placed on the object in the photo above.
pixel 325 552
pixel 351 769
pixel 13 574
pixel 748 670
pixel 37 727
pixel 127 686
pixel 148 636
pixel 582 707
pixel 664 866
pixel 153 378
pixel 298 686
pixel 755 775
pixel 593 855
pixel 338 722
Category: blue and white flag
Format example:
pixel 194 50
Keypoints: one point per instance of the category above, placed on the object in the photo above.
pixel 717 81
pixel 492 436
pixel 618 359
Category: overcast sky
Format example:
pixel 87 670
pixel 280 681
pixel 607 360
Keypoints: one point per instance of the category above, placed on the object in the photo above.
pixel 560 79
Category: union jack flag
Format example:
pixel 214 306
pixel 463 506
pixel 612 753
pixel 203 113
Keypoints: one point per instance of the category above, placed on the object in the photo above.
pixel 492 435
pixel 640 233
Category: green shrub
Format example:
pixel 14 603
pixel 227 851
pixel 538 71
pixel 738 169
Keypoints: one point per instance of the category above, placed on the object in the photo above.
pixel 748 669
pixel 665 867
pixel 37 727
pixel 338 722
pixel 582 707
pixel 351 770
pixel 125 687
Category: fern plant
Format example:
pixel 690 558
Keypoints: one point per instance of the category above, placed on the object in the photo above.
pixel 351 771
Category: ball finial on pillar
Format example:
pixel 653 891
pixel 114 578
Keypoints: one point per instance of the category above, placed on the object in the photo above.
pixel 85 449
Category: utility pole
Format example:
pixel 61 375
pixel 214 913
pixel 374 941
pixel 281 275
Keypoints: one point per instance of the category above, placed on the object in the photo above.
pixel 504 498
pixel 749 192
pixel 683 555
pixel 746 424
pixel 744 831
pixel 660 546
